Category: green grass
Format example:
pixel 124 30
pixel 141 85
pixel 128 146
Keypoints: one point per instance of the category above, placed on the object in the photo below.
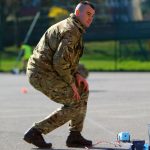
pixel 98 56
pixel 129 65
pixel 7 65
pixel 8 59
pixel 93 65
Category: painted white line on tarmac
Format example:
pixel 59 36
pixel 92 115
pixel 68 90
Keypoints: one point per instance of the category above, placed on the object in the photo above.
pixel 100 126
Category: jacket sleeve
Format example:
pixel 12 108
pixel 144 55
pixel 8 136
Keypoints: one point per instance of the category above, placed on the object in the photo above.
pixel 63 57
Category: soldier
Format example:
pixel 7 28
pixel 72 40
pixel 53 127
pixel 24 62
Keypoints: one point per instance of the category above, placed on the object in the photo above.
pixel 52 69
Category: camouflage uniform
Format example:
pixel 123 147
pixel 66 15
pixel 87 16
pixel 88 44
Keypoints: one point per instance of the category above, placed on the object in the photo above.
pixel 51 69
pixel 83 71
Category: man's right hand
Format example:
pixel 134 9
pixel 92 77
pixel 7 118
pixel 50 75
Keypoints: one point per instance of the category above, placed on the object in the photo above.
pixel 75 91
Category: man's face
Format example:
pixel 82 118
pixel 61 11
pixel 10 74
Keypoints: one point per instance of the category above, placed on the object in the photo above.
pixel 86 16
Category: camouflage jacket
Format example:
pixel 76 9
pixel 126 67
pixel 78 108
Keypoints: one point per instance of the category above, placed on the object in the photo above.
pixel 59 50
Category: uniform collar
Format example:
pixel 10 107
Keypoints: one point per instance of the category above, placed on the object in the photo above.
pixel 77 23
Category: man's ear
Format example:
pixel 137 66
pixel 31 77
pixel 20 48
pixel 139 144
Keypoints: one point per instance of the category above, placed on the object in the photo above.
pixel 77 13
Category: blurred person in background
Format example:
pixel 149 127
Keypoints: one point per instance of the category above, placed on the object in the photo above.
pixel 26 51
pixel 52 69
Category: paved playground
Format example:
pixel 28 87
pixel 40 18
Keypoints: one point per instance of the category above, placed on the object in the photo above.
pixel 118 102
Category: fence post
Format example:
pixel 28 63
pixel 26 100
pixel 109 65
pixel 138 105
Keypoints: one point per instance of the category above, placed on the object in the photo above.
pixel 1 25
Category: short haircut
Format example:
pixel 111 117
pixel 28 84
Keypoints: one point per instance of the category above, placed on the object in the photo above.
pixel 87 3
pixel 81 5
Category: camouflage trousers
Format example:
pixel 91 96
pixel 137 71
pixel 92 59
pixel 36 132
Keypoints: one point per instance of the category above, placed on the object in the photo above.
pixel 72 110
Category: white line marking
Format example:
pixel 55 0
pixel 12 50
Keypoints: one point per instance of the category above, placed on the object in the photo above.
pixel 100 126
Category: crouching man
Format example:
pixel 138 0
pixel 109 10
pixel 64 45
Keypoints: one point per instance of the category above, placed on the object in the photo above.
pixel 52 69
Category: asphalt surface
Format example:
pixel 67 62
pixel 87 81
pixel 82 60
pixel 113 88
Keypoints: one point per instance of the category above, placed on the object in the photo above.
pixel 118 102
